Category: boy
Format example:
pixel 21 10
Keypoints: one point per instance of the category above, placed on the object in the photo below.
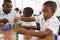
pixel 27 12
pixel 48 21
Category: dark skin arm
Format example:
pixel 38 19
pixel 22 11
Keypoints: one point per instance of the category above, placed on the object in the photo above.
pixel 29 27
pixel 27 19
pixel 33 33
pixel 4 21
pixel 16 19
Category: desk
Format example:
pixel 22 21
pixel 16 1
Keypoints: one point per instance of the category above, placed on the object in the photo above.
pixel 9 35
pixel 50 37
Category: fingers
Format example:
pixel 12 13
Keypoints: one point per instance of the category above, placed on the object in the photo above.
pixel 4 21
pixel 16 29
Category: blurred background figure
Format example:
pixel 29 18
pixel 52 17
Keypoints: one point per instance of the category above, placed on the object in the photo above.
pixel 17 11
pixel 20 12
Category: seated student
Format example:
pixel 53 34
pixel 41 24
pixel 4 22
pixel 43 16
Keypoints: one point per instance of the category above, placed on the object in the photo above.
pixel 7 11
pixel 8 14
pixel 27 12
pixel 48 23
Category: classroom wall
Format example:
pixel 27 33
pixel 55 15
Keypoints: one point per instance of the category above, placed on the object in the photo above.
pixel 35 4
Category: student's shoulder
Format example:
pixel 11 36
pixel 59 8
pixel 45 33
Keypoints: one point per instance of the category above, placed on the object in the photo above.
pixel 54 19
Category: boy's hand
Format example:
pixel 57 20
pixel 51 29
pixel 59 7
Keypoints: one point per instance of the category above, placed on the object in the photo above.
pixel 27 19
pixel 16 19
pixel 5 21
pixel 16 29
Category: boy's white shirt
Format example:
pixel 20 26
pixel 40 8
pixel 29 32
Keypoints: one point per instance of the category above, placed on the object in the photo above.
pixel 23 23
pixel 52 23
pixel 10 17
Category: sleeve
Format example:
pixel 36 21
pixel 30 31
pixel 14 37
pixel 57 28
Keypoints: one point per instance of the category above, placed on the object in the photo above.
pixel 54 27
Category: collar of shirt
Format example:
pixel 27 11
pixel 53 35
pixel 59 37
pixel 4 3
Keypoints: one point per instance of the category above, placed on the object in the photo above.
pixel 52 18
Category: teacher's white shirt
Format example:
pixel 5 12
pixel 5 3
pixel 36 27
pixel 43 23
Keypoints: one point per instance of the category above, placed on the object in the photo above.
pixel 10 16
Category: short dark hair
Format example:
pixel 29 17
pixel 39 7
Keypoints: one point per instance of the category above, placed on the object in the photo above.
pixel 52 4
pixel 7 1
pixel 29 9
pixel 16 9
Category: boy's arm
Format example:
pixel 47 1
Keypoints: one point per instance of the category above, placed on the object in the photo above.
pixel 29 27
pixel 27 19
pixel 33 33
pixel 4 21
pixel 16 19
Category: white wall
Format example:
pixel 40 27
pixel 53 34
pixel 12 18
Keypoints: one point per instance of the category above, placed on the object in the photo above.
pixel 1 2
pixel 58 8
pixel 35 4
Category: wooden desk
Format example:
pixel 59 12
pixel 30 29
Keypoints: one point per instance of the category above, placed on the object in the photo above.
pixel 50 37
pixel 9 35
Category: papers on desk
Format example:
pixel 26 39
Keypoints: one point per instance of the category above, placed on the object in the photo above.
pixel 2 37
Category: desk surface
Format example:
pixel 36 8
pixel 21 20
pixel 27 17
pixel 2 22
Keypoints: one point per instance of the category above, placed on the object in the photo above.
pixel 8 35
pixel 50 37
pixel 11 35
